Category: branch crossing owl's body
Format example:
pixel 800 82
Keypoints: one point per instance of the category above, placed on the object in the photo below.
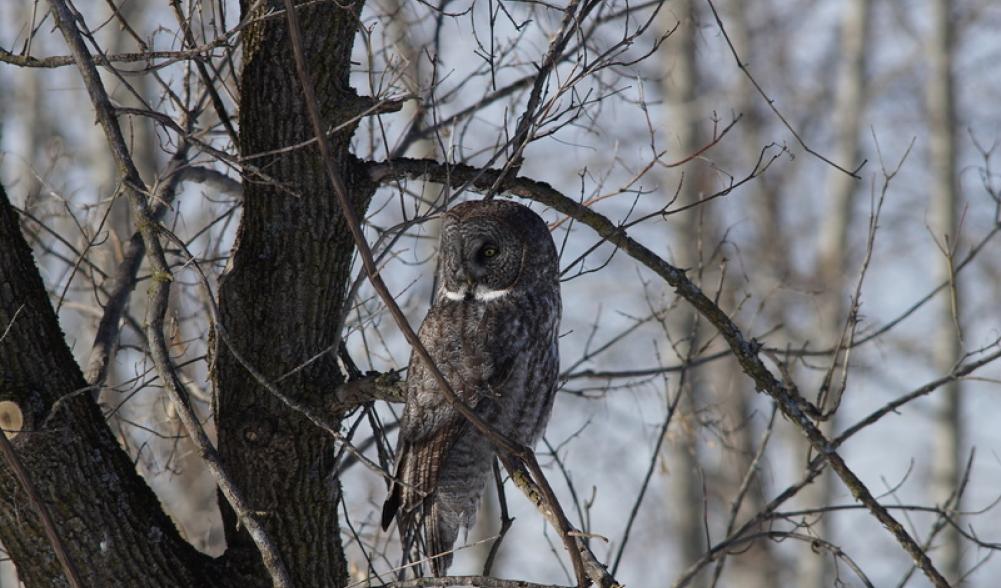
pixel 492 331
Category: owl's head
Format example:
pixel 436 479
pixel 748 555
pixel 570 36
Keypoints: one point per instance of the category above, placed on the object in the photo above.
pixel 492 248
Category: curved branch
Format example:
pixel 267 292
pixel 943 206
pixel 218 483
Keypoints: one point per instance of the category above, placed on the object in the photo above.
pixel 793 406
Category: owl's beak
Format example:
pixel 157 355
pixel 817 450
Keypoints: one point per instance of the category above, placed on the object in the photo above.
pixel 465 277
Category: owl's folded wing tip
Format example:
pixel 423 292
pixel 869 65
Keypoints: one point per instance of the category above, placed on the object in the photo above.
pixel 390 507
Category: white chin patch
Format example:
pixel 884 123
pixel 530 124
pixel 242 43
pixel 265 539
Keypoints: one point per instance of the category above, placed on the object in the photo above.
pixel 480 293
pixel 485 295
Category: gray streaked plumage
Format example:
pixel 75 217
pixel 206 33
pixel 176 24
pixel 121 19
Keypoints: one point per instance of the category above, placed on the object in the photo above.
pixel 492 331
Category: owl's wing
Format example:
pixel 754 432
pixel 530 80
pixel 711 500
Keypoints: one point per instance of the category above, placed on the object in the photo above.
pixel 419 464
pixel 480 375
pixel 430 428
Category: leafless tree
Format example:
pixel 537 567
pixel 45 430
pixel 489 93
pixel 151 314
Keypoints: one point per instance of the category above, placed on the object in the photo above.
pixel 201 351
pixel 944 224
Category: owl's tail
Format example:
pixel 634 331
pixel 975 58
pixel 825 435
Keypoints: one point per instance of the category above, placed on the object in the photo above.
pixel 420 506
pixel 441 529
pixel 438 490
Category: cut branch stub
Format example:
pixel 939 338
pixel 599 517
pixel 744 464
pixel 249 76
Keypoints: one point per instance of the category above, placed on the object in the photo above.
pixel 11 418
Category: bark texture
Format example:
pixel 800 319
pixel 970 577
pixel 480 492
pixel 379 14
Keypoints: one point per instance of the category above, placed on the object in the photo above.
pixel 281 304
pixel 110 521
pixel 281 301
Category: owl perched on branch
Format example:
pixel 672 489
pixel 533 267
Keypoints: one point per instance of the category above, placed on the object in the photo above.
pixel 492 330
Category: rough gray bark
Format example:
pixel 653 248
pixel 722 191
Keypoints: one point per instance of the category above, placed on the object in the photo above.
pixel 943 218
pixel 281 300
pixel 108 517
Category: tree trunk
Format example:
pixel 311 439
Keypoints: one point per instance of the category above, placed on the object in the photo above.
pixel 281 301
pixel 681 116
pixel 833 256
pixel 943 222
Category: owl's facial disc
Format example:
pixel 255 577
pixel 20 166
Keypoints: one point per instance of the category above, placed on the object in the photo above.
pixel 481 266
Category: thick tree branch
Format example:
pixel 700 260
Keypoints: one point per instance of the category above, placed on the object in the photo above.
pixel 387 387
pixel 144 57
pixel 544 499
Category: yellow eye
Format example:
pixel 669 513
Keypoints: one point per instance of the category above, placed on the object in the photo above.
pixel 490 251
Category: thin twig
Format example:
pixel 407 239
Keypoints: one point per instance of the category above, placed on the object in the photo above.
pixel 217 103
pixel 957 373
pixel 771 102
pixel 723 548
pixel 661 435
pixel 506 520
pixel 745 485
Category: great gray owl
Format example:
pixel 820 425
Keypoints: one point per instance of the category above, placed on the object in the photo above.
pixel 492 331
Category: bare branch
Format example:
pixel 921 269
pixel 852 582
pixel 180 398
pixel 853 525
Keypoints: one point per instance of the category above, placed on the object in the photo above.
pixel 793 406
